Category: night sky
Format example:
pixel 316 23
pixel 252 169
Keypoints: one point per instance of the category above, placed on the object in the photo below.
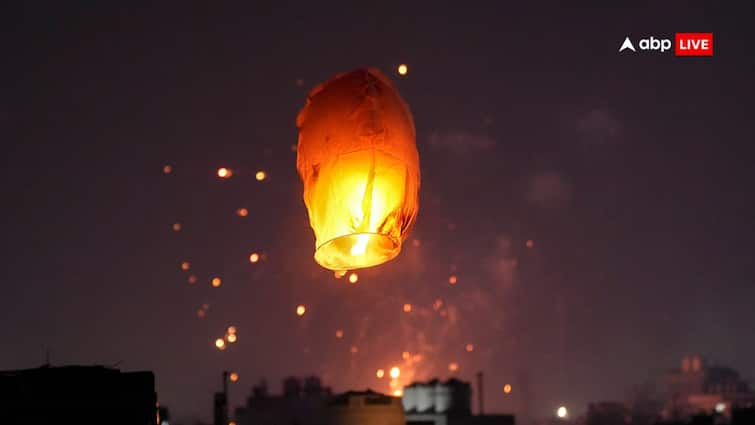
pixel 632 175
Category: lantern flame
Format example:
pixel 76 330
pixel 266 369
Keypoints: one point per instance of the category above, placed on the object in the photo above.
pixel 358 160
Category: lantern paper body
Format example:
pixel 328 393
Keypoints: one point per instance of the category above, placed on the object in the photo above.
pixel 358 160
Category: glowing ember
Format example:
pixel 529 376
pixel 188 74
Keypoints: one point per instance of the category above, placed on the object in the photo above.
pixel 402 69
pixel 452 279
pixel 416 243
pixel 353 278
pixel 233 377
pixel 562 412
pixel 191 279
pixel 260 175
pixel 300 310
pixel 339 273
pixel 167 169
pixel 437 304
pixel 453 366
pixel 339 334
pixel 224 173
pixel 395 372
pixel 220 344
pixel 176 227
pixel 398 393
pixel 380 373
pixel 354 349
pixel 216 282
pixel 530 243
pixel 231 330
pixel 185 265
pixel 469 347
pixel 201 313
pixel 254 257
pixel 407 308
pixel 242 212
pixel 231 338
pixel 507 388
pixel 405 355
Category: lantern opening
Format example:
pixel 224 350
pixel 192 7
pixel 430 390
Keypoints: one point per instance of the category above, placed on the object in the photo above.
pixel 358 250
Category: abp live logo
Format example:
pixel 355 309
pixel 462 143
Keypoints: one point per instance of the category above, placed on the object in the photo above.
pixel 693 44
pixel 685 44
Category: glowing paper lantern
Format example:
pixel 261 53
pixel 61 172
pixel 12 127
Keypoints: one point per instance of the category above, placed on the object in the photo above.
pixel 358 160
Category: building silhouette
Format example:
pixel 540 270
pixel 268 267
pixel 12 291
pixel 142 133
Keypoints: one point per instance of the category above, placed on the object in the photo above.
pixel 80 395
pixel 303 402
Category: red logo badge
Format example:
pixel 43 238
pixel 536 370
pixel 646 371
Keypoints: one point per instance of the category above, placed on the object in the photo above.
pixel 694 44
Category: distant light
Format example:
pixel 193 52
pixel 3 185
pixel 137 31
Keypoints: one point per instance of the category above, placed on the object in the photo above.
pixel 300 310
pixel 216 282
pixel 562 412
pixel 437 304
pixel 402 69
pixel 231 330
pixel 201 313
pixel 507 388
pixel 453 366
pixel 176 227
pixel 395 372
pixel 254 257
pixel 224 173
pixel 339 273
pixel 167 169
pixel 720 407
pixel 380 373
pixel 220 344
pixel 192 279
pixel 530 243
pixel 185 265
pixel 339 334
pixel 242 212
pixel 407 308
pixel 354 349
pixel 398 393
pixel 231 338
pixel 233 377
pixel 232 423
pixel 452 279
pixel 405 355
pixel 353 278
pixel 260 175
pixel 469 347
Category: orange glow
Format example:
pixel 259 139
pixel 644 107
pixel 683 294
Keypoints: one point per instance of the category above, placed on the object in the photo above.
pixel 354 349
pixel 453 366
pixel 407 308
pixel 216 282
pixel 254 257
pixel 416 243
pixel 231 330
pixel 530 243
pixel 185 265
pixel 224 173
pixel 437 304
pixel 469 347
pixel 405 355
pixel 402 69
pixel 233 377
pixel 398 393
pixel 220 344
pixel 380 373
pixel 300 310
pixel 339 334
pixel 260 176
pixel 176 227
pixel 231 338
pixel 242 212
pixel 353 278
pixel 394 383
pixel 452 279
pixel 192 279
pixel 360 169
pixel 507 388
pixel 395 372
pixel 167 169
pixel 201 313
pixel 339 273
pixel 232 423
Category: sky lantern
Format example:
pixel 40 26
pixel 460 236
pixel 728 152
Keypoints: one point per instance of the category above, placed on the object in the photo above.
pixel 358 160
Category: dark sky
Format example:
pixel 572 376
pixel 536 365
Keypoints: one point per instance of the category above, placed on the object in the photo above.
pixel 631 173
